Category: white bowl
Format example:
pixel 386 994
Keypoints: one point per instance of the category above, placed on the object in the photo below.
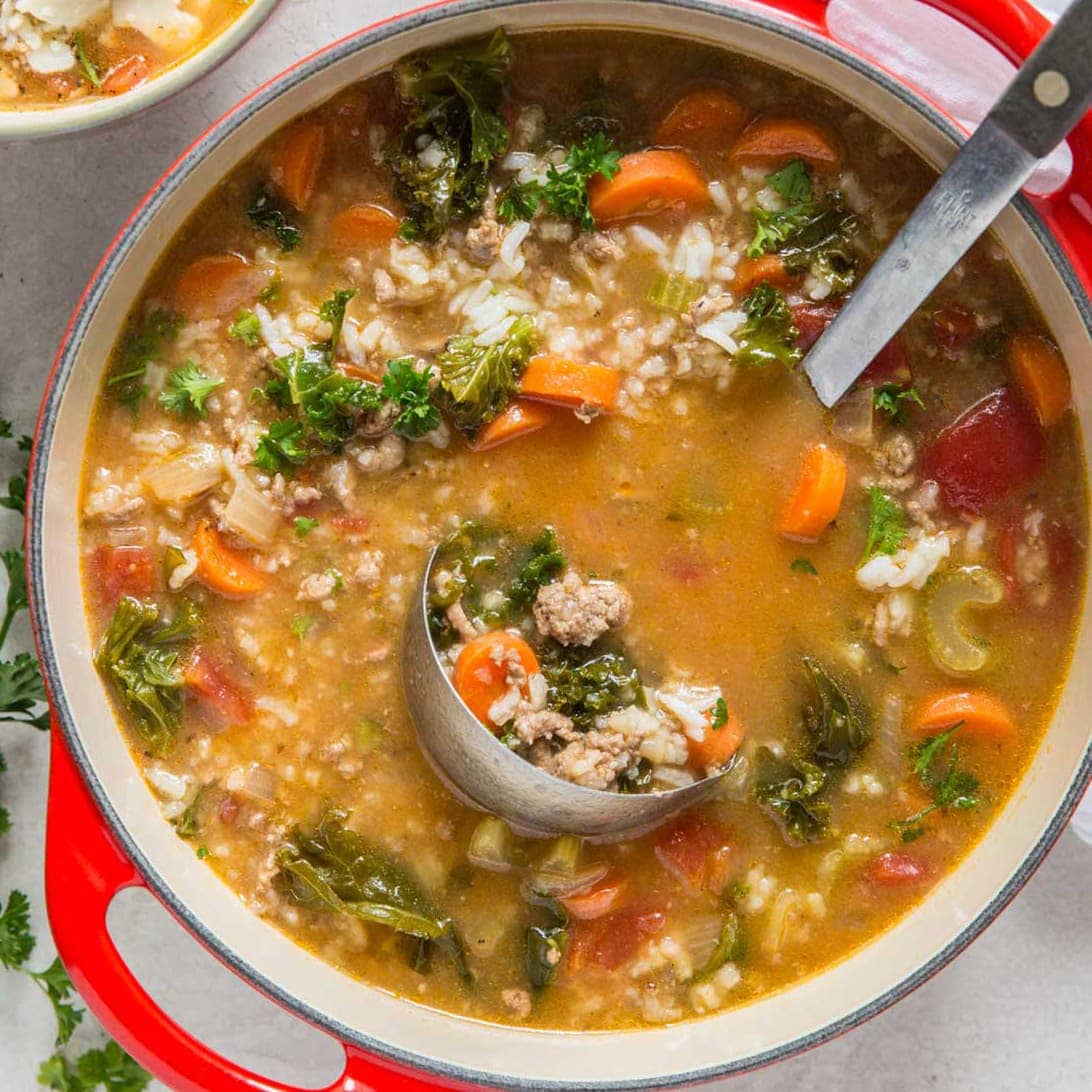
pixel 42 122
pixel 399 1029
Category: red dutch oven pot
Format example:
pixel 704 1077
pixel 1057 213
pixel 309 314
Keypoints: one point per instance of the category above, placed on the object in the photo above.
pixel 104 832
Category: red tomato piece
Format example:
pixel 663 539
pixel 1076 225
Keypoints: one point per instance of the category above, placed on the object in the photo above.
pixel 696 851
pixel 890 365
pixel 350 523
pixel 609 941
pixel 987 453
pixel 208 681
pixel 123 570
pixel 897 870
pixel 811 320
pixel 1037 556
pixel 607 895
pixel 953 328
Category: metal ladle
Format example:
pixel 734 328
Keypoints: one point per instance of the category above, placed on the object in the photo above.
pixel 487 775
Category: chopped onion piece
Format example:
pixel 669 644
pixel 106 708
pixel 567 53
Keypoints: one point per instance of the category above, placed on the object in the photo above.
pixel 852 421
pixel 542 887
pixel 251 514
pixel 184 477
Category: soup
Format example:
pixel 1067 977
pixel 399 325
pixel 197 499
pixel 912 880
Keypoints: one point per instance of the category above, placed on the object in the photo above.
pixel 543 300
pixel 56 52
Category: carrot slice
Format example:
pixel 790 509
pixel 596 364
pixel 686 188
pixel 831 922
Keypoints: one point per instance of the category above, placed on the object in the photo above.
pixel 1042 375
pixel 777 140
pixel 223 568
pixel 481 671
pixel 294 169
pixel 607 895
pixel 125 75
pixel 519 419
pixel 216 285
pixel 818 495
pixel 702 118
pixel 647 182
pixel 362 226
pixel 719 744
pixel 565 382
pixel 978 714
pixel 751 271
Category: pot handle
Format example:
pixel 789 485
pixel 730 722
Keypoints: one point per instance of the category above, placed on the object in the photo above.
pixel 84 870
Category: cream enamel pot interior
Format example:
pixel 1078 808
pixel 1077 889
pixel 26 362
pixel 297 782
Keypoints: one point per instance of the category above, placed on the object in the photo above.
pixel 408 1034
pixel 93 112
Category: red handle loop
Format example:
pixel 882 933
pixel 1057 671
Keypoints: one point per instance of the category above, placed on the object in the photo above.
pixel 82 875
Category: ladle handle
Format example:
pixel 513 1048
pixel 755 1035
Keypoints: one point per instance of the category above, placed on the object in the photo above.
pixel 1053 88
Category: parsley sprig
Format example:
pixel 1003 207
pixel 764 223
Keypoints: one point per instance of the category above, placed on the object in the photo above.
pixel 886 526
pixel 186 390
pixel 936 765
pixel 564 193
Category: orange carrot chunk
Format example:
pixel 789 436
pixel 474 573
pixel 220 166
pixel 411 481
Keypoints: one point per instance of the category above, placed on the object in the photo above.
pixel 719 744
pixel 481 670
pixel 217 285
pixel 519 419
pixel 772 141
pixel 818 495
pixel 296 164
pixel 1042 375
pixel 362 226
pixel 222 568
pixel 751 271
pixel 600 899
pixel 564 382
pixel 646 183
pixel 978 714
pixel 702 119
pixel 125 75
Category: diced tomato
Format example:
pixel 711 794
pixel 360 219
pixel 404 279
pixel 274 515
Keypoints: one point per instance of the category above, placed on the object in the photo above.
pixel 953 328
pixel 696 851
pixel 228 810
pixel 811 320
pixel 607 895
pixel 211 683
pixel 609 941
pixel 987 453
pixel 687 564
pixel 1033 580
pixel 897 870
pixel 890 365
pixel 351 523
pixel 118 571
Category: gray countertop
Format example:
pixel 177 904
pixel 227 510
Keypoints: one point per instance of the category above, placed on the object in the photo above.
pixel 1011 1013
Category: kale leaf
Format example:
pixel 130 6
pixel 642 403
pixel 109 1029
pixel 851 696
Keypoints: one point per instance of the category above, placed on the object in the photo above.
pixel 544 561
pixel 140 347
pixel 544 949
pixel 476 381
pixel 768 335
pixel 731 947
pixel 835 722
pixel 583 689
pixel 272 216
pixel 790 790
pixel 453 135
pixel 141 655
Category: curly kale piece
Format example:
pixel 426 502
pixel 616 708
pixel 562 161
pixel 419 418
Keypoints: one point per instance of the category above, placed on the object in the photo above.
pixel 584 689
pixel 543 562
pixel 141 346
pixel 409 391
pixel 454 132
pixel 141 655
pixel 335 869
pixel 768 336
pixel 476 381
pixel 836 723
pixel 272 216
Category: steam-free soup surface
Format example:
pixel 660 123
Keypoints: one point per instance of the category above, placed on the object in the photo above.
pixel 676 562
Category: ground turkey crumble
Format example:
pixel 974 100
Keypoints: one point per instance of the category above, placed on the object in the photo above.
pixel 575 612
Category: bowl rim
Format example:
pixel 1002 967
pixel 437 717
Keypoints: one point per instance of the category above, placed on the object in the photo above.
pixel 173 178
pixel 56 121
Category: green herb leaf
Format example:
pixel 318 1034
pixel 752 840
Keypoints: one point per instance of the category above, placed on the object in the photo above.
pixel 894 400
pixel 409 390
pixel 543 563
pixel 246 328
pixel 790 791
pixel 792 182
pixel 803 565
pixel 476 381
pixel 835 722
pixel 768 335
pixel 941 776
pixel 273 217
pixel 544 950
pixel 57 986
pixel 186 391
pixel 86 66
pixel 16 939
pixel 720 714
pixel 589 688
pixel 21 689
pixel 281 447
pixel 188 824
pixel 302 624
pixel 305 525
pixel 731 948
pixel 886 527
pixel 108 1068
pixel 140 347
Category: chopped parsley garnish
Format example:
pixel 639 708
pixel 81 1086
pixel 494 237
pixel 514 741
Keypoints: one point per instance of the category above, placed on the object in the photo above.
pixel 936 765
pixel 803 565
pixel 302 624
pixel 246 328
pixel 305 525
pixel 720 714
pixel 140 347
pixel 281 447
pixel 894 400
pixel 886 527
pixel 409 390
pixel 564 194
pixel 186 390
pixel 454 132
pixel 273 217
pixel 768 335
